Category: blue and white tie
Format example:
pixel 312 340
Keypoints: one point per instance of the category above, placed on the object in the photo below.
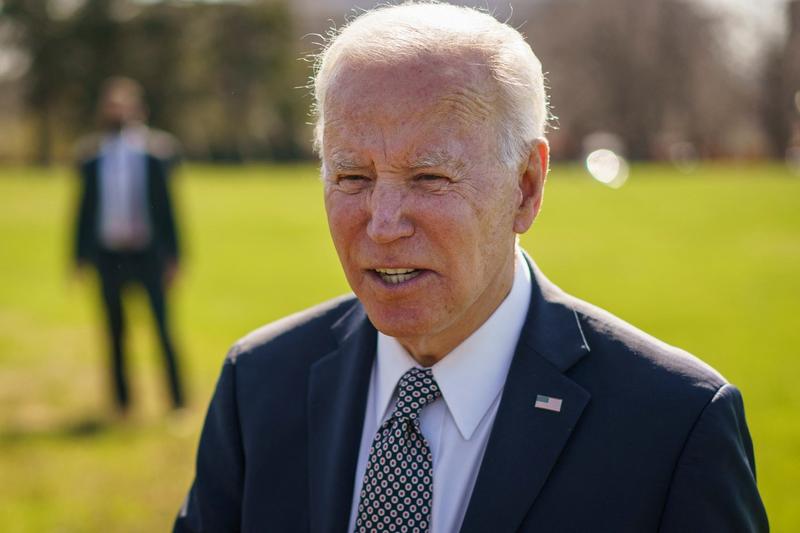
pixel 397 492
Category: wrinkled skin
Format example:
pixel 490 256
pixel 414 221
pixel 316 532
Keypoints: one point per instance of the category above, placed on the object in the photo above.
pixel 412 180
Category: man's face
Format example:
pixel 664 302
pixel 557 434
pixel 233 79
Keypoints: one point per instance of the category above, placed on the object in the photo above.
pixel 119 107
pixel 421 211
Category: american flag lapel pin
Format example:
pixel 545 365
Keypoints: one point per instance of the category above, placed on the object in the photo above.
pixel 548 403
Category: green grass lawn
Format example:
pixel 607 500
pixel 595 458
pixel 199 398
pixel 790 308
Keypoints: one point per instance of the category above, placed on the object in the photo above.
pixel 709 261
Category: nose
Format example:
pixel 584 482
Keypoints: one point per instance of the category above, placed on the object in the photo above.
pixel 388 218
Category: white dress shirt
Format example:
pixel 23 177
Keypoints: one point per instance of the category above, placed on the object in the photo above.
pixel 124 221
pixel 456 426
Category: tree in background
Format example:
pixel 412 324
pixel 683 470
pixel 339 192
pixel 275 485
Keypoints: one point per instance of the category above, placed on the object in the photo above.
pixel 48 41
pixel 780 103
pixel 645 70
pixel 239 83
pixel 224 76
pixel 220 76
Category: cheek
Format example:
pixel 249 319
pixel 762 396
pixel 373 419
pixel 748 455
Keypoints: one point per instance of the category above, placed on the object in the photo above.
pixel 345 218
pixel 452 228
pixel 475 232
pixel 443 217
pixel 455 218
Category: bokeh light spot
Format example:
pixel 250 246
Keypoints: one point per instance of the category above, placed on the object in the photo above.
pixel 607 167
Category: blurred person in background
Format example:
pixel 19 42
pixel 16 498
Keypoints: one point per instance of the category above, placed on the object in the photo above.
pixel 458 389
pixel 125 225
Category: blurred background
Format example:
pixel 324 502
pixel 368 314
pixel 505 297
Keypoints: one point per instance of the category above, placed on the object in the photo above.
pixel 675 80
pixel 674 202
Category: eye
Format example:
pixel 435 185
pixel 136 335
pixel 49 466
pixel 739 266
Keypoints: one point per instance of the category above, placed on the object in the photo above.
pixel 351 177
pixel 352 182
pixel 434 181
pixel 431 177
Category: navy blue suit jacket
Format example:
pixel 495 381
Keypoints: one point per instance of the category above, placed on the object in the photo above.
pixel 649 438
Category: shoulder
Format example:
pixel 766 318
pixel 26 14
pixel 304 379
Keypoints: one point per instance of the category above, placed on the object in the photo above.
pixel 664 424
pixel 303 336
pixel 162 145
pixel 617 353
pixel 633 366
pixel 646 395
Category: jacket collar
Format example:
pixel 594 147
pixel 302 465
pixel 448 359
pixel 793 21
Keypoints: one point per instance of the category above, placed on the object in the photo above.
pixel 526 441
pixel 552 328
pixel 337 394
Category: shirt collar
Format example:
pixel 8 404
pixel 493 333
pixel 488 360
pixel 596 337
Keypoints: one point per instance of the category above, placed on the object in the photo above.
pixel 133 137
pixel 471 376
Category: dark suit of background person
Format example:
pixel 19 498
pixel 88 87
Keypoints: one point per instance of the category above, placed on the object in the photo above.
pixel 149 258
pixel 649 438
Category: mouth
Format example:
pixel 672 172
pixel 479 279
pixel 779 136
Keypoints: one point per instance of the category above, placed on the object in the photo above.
pixel 396 276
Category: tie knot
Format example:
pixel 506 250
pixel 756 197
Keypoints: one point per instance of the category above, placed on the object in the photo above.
pixel 415 390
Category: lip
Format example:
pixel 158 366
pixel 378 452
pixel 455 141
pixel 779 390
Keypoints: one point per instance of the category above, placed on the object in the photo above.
pixel 410 284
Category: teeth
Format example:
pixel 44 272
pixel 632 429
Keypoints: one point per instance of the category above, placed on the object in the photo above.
pixel 397 275
pixel 394 270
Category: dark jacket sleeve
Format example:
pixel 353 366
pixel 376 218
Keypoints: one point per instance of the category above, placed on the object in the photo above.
pixel 164 210
pixel 714 484
pixel 85 221
pixel 214 502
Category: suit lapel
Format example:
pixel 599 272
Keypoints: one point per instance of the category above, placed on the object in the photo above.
pixel 338 386
pixel 526 441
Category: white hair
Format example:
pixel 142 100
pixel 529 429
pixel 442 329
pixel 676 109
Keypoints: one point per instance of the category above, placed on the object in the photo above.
pixel 393 33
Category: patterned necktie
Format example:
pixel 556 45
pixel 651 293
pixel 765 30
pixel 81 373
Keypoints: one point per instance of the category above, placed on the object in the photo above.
pixel 398 484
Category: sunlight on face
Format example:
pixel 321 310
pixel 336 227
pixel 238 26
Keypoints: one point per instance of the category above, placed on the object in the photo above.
pixel 420 209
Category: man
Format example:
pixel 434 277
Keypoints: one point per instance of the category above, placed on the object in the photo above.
pixel 126 226
pixel 459 390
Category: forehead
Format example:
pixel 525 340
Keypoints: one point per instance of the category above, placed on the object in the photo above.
pixel 420 107
pixel 457 78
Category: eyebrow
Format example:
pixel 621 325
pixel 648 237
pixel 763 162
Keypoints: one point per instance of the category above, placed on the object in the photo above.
pixel 343 161
pixel 436 159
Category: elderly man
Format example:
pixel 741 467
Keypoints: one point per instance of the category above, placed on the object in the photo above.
pixel 459 390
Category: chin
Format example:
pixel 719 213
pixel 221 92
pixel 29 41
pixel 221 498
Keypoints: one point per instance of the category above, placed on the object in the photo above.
pixel 400 322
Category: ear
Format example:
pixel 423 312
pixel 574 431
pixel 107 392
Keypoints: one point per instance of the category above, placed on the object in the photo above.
pixel 531 185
